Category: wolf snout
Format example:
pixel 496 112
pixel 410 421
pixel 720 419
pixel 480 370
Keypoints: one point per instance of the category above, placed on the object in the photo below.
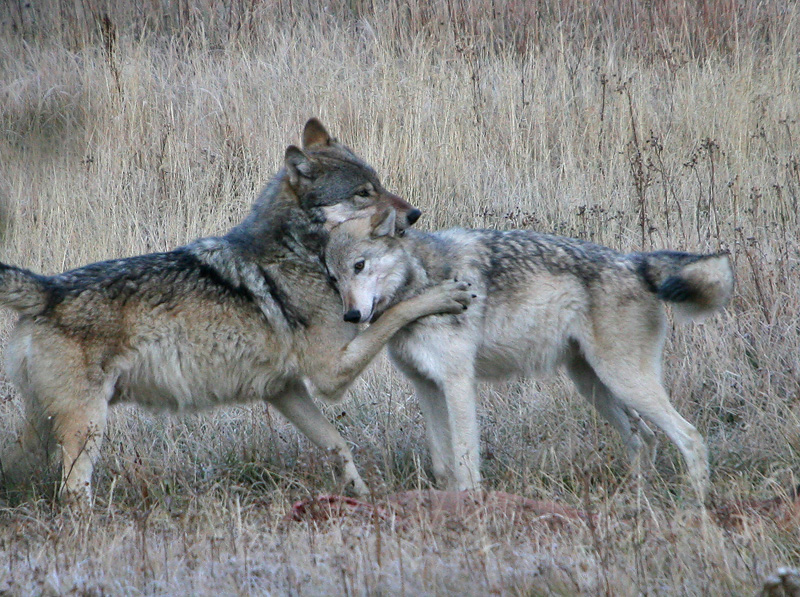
pixel 353 316
pixel 413 216
pixel 407 214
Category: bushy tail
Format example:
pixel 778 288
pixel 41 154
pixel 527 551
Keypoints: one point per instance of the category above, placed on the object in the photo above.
pixel 696 285
pixel 22 290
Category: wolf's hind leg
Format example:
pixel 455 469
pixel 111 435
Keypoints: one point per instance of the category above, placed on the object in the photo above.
pixel 297 406
pixel 79 422
pixel 648 455
pixel 639 388
pixel 31 453
pixel 640 441
pixel 65 418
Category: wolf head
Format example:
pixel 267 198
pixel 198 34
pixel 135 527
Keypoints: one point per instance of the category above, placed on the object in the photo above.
pixel 368 265
pixel 335 185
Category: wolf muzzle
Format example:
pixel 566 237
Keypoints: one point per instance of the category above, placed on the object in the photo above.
pixel 407 213
pixel 413 216
pixel 353 316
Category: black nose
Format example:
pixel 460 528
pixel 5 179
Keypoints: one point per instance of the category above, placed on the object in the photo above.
pixel 413 216
pixel 352 316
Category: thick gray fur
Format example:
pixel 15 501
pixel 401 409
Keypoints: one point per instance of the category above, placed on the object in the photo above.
pixel 542 302
pixel 250 315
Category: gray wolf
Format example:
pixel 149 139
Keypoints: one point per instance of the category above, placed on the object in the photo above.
pixel 542 302
pixel 250 315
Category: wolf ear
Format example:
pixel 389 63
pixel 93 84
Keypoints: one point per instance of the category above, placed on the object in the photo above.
pixel 298 166
pixel 315 134
pixel 383 223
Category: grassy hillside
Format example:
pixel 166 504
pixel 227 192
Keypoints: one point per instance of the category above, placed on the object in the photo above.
pixel 140 126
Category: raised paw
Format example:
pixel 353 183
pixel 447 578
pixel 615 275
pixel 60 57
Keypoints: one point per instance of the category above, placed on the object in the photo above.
pixel 451 296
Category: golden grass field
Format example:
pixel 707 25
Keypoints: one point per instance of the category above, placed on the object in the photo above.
pixel 134 127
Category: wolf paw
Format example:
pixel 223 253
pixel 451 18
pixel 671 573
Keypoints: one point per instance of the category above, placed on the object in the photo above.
pixel 452 296
pixel 356 488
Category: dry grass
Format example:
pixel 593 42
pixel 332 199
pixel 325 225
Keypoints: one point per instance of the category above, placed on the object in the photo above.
pixel 136 129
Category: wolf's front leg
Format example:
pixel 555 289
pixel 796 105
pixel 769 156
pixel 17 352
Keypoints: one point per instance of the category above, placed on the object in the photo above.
pixel 297 406
pixel 460 395
pixel 433 405
pixel 448 297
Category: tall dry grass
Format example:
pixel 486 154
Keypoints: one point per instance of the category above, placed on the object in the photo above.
pixel 135 127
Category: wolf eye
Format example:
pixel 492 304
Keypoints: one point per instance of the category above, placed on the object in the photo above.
pixel 365 191
pixel 358 265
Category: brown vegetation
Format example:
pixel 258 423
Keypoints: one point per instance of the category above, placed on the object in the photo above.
pixel 132 127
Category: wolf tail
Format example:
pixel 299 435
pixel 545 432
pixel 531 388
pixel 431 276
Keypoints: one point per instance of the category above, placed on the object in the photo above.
pixel 696 285
pixel 22 290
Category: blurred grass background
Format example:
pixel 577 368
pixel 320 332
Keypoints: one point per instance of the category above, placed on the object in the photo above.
pixel 136 126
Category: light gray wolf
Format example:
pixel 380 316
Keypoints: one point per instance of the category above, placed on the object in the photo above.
pixel 250 315
pixel 542 302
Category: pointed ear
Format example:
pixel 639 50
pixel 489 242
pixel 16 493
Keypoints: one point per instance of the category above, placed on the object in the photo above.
pixel 314 134
pixel 383 223
pixel 298 165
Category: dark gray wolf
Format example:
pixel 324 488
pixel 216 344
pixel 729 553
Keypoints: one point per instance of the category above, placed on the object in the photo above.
pixel 543 301
pixel 246 316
